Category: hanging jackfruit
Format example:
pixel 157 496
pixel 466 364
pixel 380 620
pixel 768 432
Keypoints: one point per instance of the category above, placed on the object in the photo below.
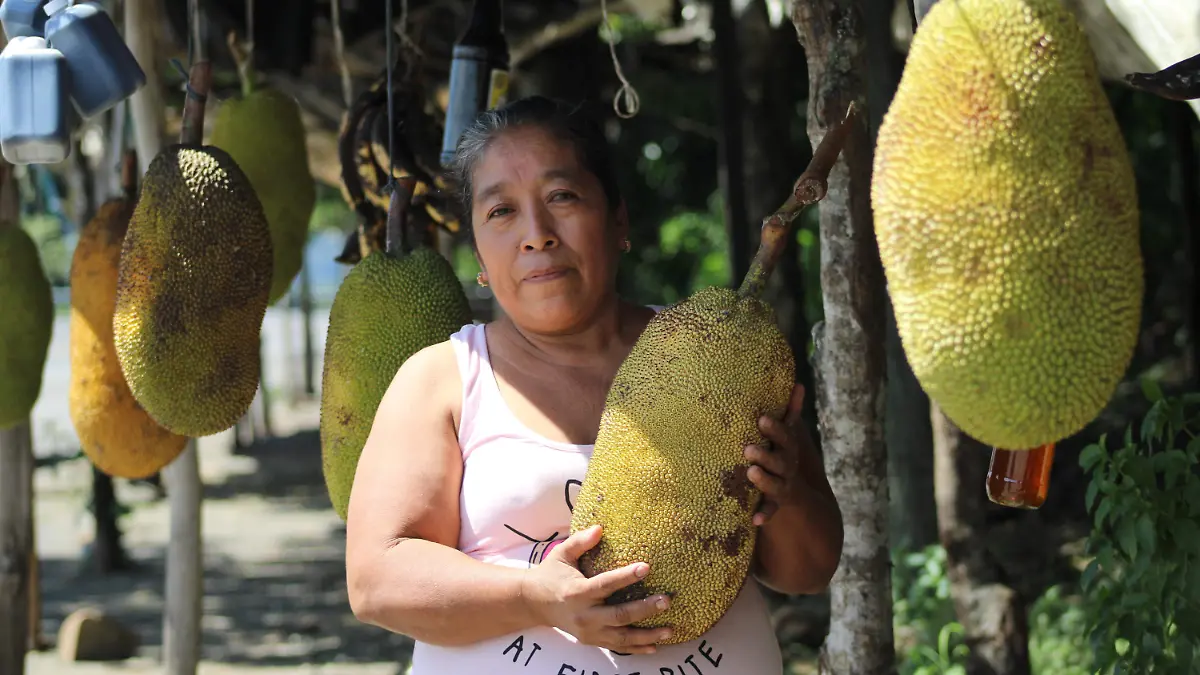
pixel 388 308
pixel 26 323
pixel 1007 220
pixel 262 132
pixel 192 289
pixel 115 433
pixel 668 479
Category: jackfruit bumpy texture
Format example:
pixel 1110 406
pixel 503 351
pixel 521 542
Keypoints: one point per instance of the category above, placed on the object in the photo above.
pixel 386 310
pixel 667 478
pixel 116 434
pixel 1007 220
pixel 264 134
pixel 192 291
pixel 26 324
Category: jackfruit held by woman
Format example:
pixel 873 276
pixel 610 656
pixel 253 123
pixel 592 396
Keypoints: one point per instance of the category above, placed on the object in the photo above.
pixel 1007 220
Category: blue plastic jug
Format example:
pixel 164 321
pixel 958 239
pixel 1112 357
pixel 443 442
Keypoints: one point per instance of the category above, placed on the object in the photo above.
pixel 21 18
pixel 35 125
pixel 103 70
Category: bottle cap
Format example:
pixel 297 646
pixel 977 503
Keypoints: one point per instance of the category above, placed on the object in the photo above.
pixel 54 6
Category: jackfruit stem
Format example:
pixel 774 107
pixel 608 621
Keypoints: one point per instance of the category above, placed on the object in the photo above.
pixel 191 131
pixel 808 189
pixel 397 218
pixel 129 175
pixel 243 60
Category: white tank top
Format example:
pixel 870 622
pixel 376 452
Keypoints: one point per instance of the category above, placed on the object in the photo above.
pixel 515 502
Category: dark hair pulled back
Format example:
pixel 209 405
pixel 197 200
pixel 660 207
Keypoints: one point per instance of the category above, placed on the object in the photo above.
pixel 566 122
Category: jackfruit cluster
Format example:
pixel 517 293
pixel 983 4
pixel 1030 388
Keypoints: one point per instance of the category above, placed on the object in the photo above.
pixel 114 431
pixel 668 478
pixel 1007 220
pixel 264 134
pixel 26 324
pixel 192 289
pixel 387 309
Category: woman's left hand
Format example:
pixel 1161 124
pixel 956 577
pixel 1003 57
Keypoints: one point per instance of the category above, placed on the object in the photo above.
pixel 775 464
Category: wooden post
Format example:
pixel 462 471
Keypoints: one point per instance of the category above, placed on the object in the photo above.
pixel 850 360
pixel 16 535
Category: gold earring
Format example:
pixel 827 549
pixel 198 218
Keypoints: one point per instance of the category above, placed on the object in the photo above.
pixel 479 279
pixel 626 245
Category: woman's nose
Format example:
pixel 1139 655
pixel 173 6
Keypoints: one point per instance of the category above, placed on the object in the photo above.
pixel 540 234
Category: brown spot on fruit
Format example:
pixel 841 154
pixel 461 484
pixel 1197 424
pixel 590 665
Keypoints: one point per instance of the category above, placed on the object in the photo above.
pixel 736 485
pixel 732 543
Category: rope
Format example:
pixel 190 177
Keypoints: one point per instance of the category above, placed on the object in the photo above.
pixel 389 36
pixel 626 93
pixel 339 50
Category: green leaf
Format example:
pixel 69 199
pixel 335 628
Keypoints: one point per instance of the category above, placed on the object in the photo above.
pixel 1141 471
pixel 1151 390
pixel 1089 498
pixel 1147 536
pixel 1090 456
pixel 1151 644
pixel 1102 512
pixel 1127 537
pixel 1089 574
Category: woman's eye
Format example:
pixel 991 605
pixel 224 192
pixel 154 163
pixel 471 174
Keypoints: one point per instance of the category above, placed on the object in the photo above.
pixel 498 211
pixel 566 195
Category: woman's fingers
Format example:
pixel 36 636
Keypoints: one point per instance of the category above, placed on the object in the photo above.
pixel 606 583
pixel 632 611
pixel 773 462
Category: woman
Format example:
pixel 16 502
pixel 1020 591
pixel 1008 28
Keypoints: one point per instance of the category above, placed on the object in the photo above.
pixel 457 525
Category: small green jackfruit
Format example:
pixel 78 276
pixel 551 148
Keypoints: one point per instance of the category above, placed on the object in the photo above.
pixel 264 134
pixel 1007 220
pixel 668 478
pixel 27 311
pixel 192 291
pixel 387 309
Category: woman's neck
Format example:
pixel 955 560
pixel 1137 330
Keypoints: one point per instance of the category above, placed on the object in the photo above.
pixel 607 331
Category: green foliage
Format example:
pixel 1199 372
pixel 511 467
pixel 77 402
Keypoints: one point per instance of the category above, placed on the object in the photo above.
pixel 1143 582
pixel 331 213
pixel 1058 635
pixel 928 635
pixel 53 245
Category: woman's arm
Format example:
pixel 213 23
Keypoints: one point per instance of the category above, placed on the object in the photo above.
pixel 403 570
pixel 800 544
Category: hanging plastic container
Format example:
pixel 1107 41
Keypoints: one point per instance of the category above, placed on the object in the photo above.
pixel 103 70
pixel 23 18
pixel 35 123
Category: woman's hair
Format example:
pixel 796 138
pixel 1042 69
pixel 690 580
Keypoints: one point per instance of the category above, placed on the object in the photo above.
pixel 566 122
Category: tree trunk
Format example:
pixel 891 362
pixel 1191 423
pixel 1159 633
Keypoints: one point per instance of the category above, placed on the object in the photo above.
pixel 992 614
pixel 850 359
pixel 16 534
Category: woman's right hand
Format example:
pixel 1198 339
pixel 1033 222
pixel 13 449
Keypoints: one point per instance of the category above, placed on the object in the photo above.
pixel 562 597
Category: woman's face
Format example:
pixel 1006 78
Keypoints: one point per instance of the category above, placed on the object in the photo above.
pixel 547 241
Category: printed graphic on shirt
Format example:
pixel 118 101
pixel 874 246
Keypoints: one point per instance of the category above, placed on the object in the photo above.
pixel 703 660
pixel 543 545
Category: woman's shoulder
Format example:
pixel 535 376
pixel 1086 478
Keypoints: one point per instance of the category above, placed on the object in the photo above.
pixel 431 374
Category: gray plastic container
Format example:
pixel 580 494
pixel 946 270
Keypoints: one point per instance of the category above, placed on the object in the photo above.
pixel 35 122
pixel 103 70
pixel 23 18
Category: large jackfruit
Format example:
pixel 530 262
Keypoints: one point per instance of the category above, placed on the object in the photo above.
pixel 667 478
pixel 263 133
pixel 26 323
pixel 116 434
pixel 1007 221
pixel 388 308
pixel 192 291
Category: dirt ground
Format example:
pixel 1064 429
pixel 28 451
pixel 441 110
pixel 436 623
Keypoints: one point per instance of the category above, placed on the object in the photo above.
pixel 275 596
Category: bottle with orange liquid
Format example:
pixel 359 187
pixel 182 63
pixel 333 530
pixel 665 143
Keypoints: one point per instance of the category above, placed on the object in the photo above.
pixel 1020 478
